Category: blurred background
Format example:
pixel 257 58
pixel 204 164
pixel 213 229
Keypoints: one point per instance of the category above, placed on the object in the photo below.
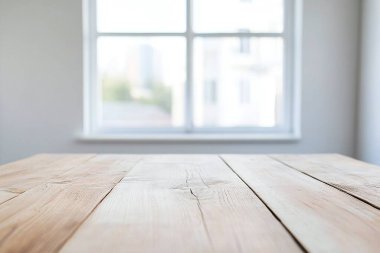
pixel 141 81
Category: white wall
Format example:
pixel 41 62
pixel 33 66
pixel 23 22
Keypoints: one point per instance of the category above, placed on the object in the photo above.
pixel 369 127
pixel 41 83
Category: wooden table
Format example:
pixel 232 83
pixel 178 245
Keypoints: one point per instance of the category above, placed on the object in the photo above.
pixel 189 203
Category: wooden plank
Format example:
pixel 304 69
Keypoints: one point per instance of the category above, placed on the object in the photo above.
pixel 5 196
pixel 44 217
pixel 357 178
pixel 17 177
pixel 321 217
pixel 181 204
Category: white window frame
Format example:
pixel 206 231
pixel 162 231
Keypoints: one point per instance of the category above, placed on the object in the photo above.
pixel 292 78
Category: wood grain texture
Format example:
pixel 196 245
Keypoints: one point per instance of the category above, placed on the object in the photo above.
pixel 42 218
pixel 352 176
pixel 6 195
pixel 181 204
pixel 321 217
pixel 17 177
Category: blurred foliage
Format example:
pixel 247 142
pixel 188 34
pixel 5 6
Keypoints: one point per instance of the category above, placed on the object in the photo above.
pixel 161 96
pixel 116 90
pixel 119 90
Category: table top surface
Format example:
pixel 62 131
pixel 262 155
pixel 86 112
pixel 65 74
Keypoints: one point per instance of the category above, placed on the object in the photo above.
pixel 189 203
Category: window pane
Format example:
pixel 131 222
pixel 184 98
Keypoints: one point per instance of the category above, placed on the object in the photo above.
pixel 238 15
pixel 141 15
pixel 142 80
pixel 238 82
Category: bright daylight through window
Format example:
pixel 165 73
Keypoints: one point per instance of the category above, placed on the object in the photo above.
pixel 190 66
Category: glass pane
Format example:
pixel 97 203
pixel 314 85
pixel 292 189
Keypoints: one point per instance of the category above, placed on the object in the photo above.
pixel 142 80
pixel 238 82
pixel 141 15
pixel 238 15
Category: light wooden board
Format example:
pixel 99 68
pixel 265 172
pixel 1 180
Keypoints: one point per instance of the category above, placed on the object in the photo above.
pixel 181 204
pixel 6 195
pixel 352 176
pixel 17 177
pixel 321 217
pixel 45 216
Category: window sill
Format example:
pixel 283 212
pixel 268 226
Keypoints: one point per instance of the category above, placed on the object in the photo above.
pixel 289 137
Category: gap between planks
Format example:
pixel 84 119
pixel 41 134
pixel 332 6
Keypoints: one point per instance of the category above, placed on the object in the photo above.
pixel 59 247
pixel 267 206
pixel 181 204
pixel 357 190
pixel 41 218
pixel 321 217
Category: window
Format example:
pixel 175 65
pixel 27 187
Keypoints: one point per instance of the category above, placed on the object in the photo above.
pixel 190 66
pixel 245 91
pixel 210 92
pixel 245 42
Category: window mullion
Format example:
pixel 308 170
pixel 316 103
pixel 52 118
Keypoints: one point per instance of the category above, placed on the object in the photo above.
pixel 247 34
pixel 189 90
pixel 124 34
pixel 95 101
